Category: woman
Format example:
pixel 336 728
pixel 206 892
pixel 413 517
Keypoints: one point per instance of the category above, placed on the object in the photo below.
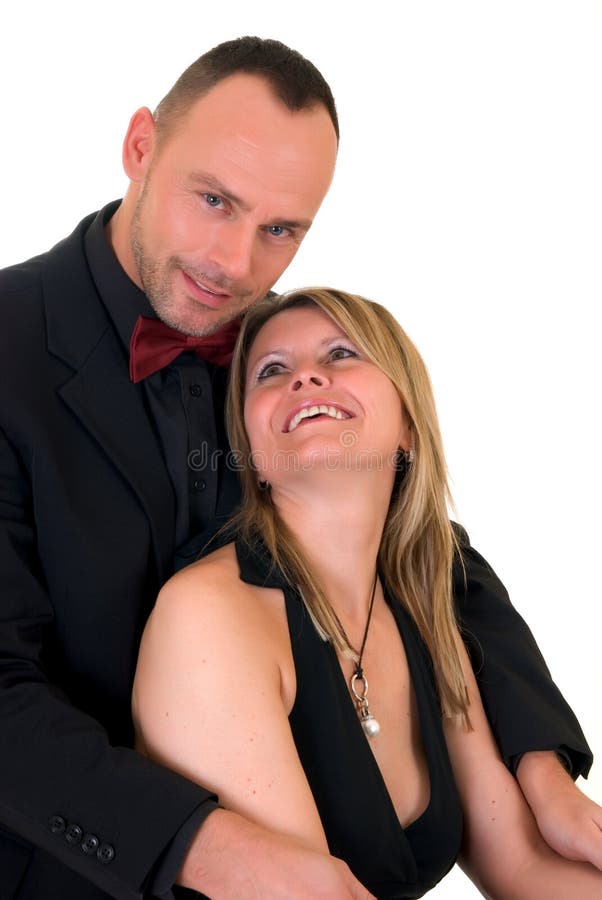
pixel 311 667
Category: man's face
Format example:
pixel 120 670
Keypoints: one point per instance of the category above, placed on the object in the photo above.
pixel 227 198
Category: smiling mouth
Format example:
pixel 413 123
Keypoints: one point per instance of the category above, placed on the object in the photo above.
pixel 314 412
pixel 204 292
pixel 204 287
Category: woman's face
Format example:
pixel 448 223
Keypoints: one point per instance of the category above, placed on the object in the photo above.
pixel 314 401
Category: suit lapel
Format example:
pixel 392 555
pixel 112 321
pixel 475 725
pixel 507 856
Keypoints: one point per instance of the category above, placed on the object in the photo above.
pixel 100 393
pixel 110 407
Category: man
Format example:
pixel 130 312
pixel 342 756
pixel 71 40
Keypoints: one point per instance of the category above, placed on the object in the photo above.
pixel 110 460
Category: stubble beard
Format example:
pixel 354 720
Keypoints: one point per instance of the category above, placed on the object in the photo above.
pixel 156 280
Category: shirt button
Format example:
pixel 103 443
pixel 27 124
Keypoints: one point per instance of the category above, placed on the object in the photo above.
pixel 196 390
pixel 90 843
pixel 74 834
pixel 200 485
pixel 57 824
pixel 105 854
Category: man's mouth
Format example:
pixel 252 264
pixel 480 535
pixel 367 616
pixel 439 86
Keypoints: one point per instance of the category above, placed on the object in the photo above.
pixel 205 293
pixel 204 287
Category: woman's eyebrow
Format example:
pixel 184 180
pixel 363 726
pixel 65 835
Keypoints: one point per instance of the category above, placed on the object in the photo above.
pixel 283 350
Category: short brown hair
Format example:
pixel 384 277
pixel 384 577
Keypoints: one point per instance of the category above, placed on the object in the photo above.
pixel 294 79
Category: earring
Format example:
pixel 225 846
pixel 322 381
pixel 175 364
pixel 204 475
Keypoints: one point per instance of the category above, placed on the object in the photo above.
pixel 263 485
pixel 403 461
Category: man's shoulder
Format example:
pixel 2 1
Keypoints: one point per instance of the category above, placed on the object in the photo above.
pixel 47 285
pixel 21 278
pixel 25 278
pixel 21 310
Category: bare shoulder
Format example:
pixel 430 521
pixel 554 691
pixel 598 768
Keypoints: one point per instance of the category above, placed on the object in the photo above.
pixel 208 598
pixel 203 613
pixel 211 582
pixel 210 573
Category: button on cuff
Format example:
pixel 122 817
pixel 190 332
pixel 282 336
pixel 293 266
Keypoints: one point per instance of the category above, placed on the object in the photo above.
pixel 74 834
pixel 90 844
pixel 57 824
pixel 105 854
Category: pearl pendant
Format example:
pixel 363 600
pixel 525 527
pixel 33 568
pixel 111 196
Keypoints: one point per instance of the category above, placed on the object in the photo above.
pixel 370 725
pixel 359 689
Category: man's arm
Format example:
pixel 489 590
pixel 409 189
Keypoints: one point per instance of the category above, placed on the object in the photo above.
pixel 533 725
pixel 106 812
pixel 525 709
pixel 568 819
pixel 503 852
pixel 233 858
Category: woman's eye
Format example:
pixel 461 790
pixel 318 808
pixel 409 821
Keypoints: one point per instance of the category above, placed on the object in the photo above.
pixel 341 353
pixel 270 369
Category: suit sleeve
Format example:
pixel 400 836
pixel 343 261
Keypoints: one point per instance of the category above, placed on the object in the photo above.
pixel 106 812
pixel 524 706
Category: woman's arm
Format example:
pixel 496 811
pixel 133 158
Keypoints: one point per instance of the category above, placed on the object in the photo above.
pixel 504 853
pixel 208 699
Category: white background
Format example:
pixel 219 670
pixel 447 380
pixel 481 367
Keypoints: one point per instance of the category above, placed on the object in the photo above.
pixel 468 199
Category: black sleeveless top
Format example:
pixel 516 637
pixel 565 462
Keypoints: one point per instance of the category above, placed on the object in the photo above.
pixel 357 813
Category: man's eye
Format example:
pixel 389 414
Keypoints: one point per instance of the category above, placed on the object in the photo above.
pixel 213 200
pixel 277 230
pixel 270 369
pixel 341 353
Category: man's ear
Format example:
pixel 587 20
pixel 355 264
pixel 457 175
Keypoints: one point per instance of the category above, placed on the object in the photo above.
pixel 139 144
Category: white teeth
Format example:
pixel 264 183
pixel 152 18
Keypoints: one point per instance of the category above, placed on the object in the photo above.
pixel 315 411
pixel 204 287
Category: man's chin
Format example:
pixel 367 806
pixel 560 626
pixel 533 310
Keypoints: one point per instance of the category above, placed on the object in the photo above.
pixel 202 324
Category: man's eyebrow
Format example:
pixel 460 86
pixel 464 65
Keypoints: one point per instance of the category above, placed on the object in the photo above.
pixel 294 224
pixel 214 184
pixel 211 182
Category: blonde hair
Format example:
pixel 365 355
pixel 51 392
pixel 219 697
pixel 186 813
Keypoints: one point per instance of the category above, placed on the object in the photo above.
pixel 418 542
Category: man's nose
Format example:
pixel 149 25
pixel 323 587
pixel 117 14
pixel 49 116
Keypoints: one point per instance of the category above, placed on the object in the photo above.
pixel 232 250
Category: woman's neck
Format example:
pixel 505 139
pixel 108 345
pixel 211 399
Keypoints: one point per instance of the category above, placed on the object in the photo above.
pixel 338 523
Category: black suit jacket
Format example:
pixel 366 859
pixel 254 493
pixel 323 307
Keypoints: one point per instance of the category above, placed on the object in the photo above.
pixel 86 540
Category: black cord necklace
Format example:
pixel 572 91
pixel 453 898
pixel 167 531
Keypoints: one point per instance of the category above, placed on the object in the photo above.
pixel 359 683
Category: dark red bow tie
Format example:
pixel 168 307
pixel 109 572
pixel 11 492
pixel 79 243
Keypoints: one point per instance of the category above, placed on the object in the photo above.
pixel 154 345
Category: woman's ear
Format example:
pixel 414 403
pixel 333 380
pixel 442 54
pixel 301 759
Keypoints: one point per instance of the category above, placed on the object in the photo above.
pixel 406 436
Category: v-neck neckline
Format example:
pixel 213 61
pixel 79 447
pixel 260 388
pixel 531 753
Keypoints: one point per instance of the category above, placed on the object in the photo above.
pixel 351 712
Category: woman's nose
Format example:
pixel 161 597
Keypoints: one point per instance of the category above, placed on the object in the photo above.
pixel 300 380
